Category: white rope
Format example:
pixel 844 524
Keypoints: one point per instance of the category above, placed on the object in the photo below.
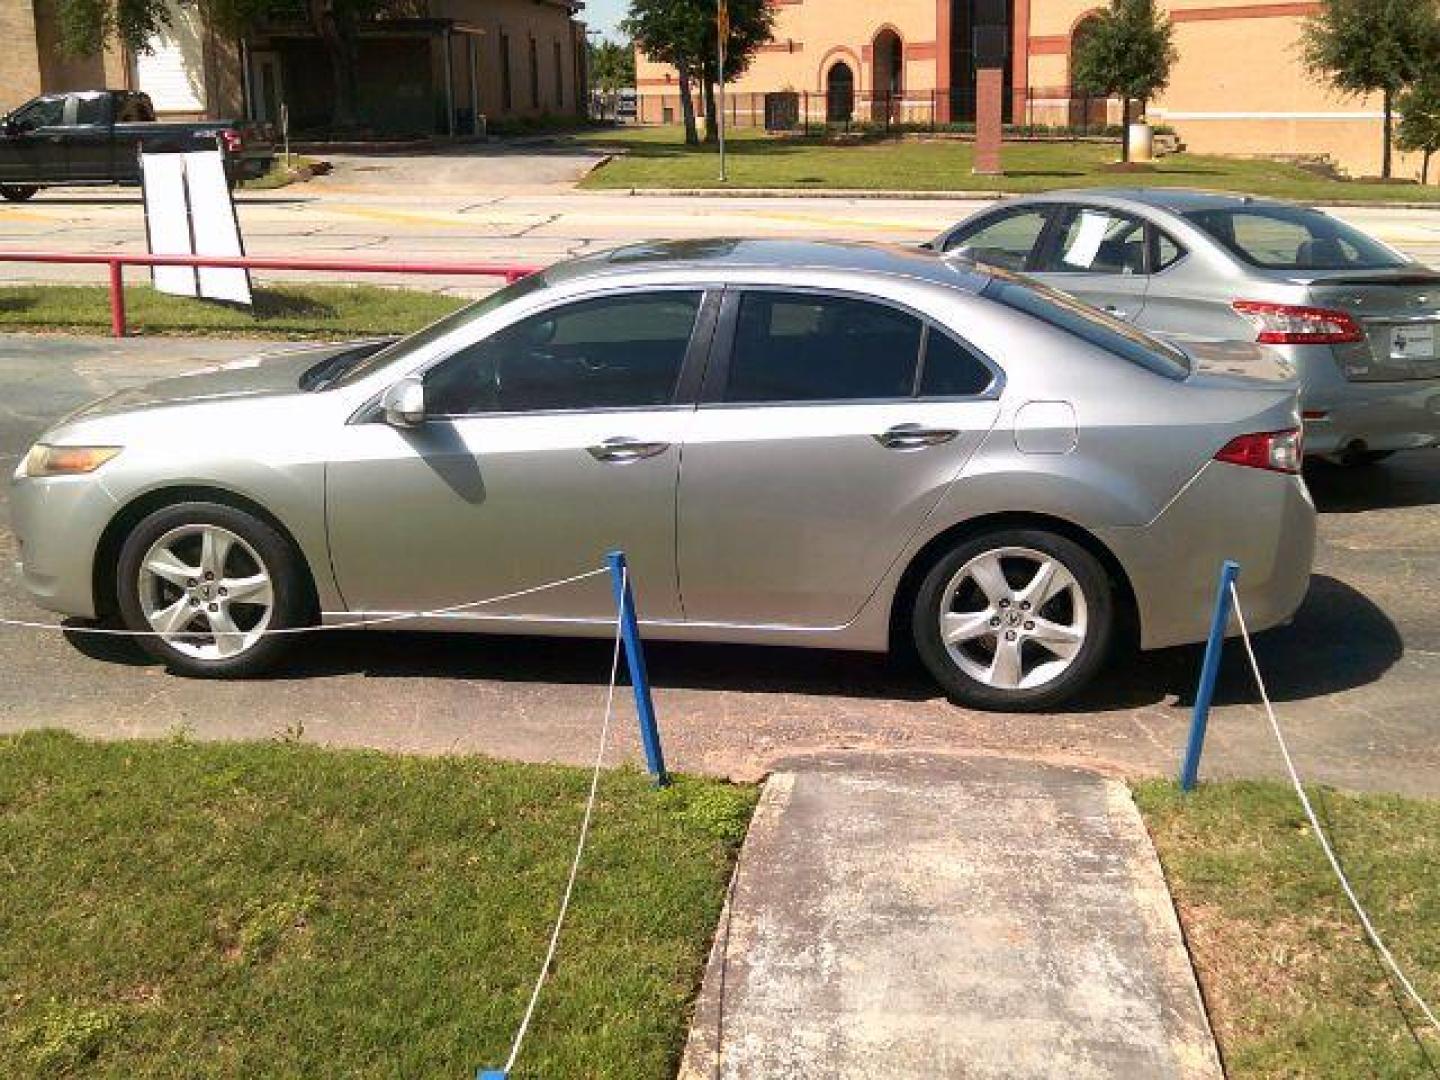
pixel 402 616
pixel 584 834
pixel 1370 930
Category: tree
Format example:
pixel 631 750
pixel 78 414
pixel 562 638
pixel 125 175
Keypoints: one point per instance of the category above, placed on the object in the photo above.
pixel 682 33
pixel 612 65
pixel 1372 47
pixel 87 26
pixel 1419 128
pixel 667 32
pixel 1127 51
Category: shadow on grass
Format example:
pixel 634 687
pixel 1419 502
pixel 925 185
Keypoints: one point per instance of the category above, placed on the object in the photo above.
pixel 272 304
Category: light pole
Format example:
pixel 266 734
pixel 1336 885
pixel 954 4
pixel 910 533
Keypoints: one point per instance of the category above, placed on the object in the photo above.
pixel 722 33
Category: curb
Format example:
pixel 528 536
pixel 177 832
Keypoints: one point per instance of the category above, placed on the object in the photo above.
pixel 937 196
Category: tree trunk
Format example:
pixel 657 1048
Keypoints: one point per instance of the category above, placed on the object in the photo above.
pixel 711 132
pixel 1389 116
pixel 1425 168
pixel 338 40
pixel 687 106
pixel 1125 129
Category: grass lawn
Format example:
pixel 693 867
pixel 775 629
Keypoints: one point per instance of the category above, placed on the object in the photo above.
pixel 1293 987
pixel 172 909
pixel 280 310
pixel 657 157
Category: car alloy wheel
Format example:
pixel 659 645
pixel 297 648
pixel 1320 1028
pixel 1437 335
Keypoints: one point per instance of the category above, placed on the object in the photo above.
pixel 1013 618
pixel 206 584
pixel 206 591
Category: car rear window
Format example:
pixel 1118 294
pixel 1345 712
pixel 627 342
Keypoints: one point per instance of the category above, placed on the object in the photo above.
pixel 1293 238
pixel 1094 327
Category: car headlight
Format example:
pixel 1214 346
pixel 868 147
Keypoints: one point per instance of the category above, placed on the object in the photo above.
pixel 46 460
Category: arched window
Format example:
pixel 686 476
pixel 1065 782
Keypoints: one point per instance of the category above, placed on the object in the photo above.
pixel 839 94
pixel 888 75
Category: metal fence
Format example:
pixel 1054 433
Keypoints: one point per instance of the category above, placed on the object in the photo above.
pixel 1034 111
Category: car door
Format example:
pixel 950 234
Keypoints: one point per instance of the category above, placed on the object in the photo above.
pixel 34 151
pixel 1100 256
pixel 829 427
pixel 87 135
pixel 1010 238
pixel 547 444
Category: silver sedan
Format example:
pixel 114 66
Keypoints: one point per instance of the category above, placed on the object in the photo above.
pixel 1360 321
pixel 800 444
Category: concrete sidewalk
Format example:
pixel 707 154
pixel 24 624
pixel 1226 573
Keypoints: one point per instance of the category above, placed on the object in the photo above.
pixel 916 916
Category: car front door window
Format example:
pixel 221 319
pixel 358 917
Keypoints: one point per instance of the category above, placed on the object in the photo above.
pixel 621 352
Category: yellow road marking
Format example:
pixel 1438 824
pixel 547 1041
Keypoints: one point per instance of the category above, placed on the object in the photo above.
pixel 12 214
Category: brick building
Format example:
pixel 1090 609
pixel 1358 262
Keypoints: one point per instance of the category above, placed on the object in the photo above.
pixel 436 73
pixel 1238 87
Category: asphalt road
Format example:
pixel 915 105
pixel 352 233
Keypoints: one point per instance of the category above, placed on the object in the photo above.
pixel 1355 676
pixel 478 203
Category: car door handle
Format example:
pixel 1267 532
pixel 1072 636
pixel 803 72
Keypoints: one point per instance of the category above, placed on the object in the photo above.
pixel 1119 313
pixel 914 437
pixel 622 448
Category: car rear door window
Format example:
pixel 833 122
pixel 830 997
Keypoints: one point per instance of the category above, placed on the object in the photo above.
pixel 90 109
pixel 951 369
pixel 1293 238
pixel 1006 241
pixel 799 347
pixel 1097 241
pixel 613 352
pixel 1166 252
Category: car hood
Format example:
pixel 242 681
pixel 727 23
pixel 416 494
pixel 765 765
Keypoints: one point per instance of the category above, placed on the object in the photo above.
pixel 259 375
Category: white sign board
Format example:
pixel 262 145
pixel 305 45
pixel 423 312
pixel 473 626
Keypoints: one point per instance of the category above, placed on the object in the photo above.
pixel 188 211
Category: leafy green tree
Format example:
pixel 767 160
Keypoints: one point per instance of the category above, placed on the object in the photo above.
pixel 683 34
pixel 1373 47
pixel 87 26
pixel 1127 51
pixel 1419 127
pixel 667 32
pixel 612 65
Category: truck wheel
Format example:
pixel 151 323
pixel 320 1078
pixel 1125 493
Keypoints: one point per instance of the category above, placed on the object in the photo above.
pixel 18 192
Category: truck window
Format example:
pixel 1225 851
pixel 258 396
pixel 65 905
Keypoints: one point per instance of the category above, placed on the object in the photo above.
pixel 42 112
pixel 135 109
pixel 90 109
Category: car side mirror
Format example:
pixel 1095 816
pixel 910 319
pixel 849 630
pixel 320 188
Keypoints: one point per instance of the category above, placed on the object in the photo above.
pixel 404 403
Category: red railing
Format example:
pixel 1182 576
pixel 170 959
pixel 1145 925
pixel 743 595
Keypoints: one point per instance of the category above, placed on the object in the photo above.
pixel 116 262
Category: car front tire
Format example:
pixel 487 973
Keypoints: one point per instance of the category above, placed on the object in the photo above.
pixel 18 192
pixel 205 584
pixel 1015 620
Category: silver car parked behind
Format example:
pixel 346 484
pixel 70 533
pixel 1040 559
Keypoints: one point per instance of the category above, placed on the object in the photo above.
pixel 807 444
pixel 1360 321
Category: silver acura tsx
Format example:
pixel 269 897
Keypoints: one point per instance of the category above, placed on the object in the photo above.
pixel 809 444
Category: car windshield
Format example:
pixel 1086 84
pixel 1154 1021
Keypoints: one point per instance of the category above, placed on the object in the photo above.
pixel 364 365
pixel 1095 327
pixel 1293 238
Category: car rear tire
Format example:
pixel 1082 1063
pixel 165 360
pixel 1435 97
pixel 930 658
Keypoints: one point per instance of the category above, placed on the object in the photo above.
pixel 1015 620
pixel 18 192
pixel 205 584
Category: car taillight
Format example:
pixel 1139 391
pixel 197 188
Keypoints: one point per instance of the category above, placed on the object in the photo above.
pixel 231 140
pixel 1278 451
pixel 1294 324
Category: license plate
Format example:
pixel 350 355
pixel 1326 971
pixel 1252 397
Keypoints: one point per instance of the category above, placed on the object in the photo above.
pixel 1415 342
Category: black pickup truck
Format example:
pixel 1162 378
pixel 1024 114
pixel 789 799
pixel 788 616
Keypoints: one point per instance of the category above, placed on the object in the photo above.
pixel 95 137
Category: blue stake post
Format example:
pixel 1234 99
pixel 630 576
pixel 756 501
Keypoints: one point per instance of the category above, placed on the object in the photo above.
pixel 635 661
pixel 1209 671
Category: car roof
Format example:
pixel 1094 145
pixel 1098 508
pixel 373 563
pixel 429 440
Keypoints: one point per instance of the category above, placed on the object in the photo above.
pixel 1177 200
pixel 727 254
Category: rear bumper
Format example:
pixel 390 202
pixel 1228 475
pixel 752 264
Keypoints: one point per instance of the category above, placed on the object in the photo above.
pixel 1402 415
pixel 1265 521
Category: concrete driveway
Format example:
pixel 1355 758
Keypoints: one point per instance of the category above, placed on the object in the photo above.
pixel 1355 676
